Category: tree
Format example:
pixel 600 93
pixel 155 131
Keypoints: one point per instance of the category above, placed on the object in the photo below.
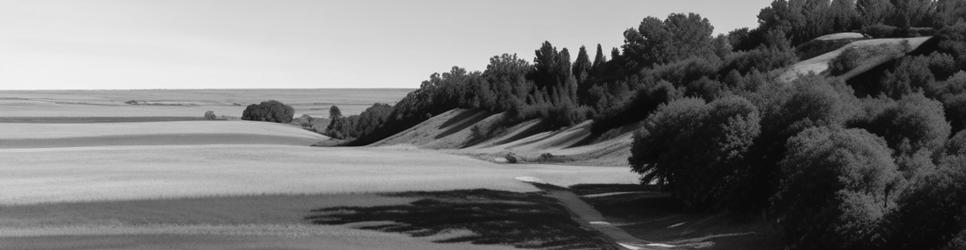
pixel 952 40
pixel 638 107
pixel 269 111
pixel 210 115
pixel 949 12
pixel 874 11
pixel 678 37
pixel 582 66
pixel 846 61
pixel 691 147
pixel 912 124
pixel 912 13
pixel 335 112
pixel 911 74
pixel 810 102
pixel 581 71
pixel 836 185
pixel 599 59
pixel 930 212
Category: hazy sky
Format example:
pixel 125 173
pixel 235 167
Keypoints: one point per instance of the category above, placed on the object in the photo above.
pixel 139 44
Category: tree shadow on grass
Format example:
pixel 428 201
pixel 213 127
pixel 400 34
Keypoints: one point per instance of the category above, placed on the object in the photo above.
pixel 525 220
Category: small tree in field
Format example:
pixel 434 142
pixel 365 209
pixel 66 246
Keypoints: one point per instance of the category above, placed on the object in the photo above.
pixel 210 115
pixel 269 111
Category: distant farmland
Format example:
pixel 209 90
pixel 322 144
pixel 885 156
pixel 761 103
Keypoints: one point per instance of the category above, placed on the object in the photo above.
pixel 31 104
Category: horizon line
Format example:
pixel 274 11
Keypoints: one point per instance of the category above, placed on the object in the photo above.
pixel 131 89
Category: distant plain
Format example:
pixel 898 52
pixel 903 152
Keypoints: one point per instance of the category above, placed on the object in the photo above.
pixel 154 105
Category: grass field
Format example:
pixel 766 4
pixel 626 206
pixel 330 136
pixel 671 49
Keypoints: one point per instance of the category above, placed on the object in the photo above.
pixel 102 182
pixel 183 103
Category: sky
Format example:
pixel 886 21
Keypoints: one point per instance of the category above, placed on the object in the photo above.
pixel 216 44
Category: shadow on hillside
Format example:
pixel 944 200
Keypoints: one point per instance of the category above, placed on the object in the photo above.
pixel 525 220
pixel 646 212
pixel 462 121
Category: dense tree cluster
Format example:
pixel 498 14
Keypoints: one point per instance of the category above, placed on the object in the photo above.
pixel 342 127
pixel 838 164
pixel 269 111
pixel 836 185
pixel 803 20
pixel 718 135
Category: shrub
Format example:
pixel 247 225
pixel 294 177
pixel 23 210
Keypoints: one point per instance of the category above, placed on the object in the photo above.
pixel 911 74
pixel 956 145
pixel 692 147
pixel 835 187
pixel 846 61
pixel 761 59
pixel 881 31
pixel 959 242
pixel 931 211
pixel 811 102
pixel 911 124
pixel 637 108
pixel 952 40
pixel 210 115
pixel 269 111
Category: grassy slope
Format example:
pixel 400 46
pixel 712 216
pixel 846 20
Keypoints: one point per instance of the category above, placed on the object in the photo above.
pixel 142 172
pixel 453 130
pixel 33 135
pixel 100 195
pixel 256 221
pixel 820 64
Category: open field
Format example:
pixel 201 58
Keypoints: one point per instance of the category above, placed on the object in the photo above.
pixel 85 170
pixel 45 175
pixel 29 135
pixel 182 103
pixel 224 184
pixel 246 222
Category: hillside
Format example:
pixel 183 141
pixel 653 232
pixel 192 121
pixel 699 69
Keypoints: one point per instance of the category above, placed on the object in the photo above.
pixel 480 134
pixel 883 51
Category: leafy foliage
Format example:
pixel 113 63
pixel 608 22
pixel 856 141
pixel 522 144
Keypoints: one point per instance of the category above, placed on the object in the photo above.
pixel 912 124
pixel 269 111
pixel 835 188
pixel 718 135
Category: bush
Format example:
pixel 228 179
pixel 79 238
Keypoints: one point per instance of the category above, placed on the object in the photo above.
pixel 952 40
pixel 931 211
pixel 846 61
pixel 911 74
pixel 210 115
pixel 811 102
pixel 835 188
pixel 637 108
pixel 269 111
pixel 956 145
pixel 692 147
pixel 881 31
pixel 761 59
pixel 912 124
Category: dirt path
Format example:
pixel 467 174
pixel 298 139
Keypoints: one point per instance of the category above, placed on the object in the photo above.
pixel 592 218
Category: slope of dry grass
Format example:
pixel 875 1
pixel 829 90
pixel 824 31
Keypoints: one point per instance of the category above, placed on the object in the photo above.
pixel 820 64
pixel 142 172
pixel 33 135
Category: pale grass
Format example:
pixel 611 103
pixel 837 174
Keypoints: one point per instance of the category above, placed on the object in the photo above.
pixel 29 176
pixel 66 130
